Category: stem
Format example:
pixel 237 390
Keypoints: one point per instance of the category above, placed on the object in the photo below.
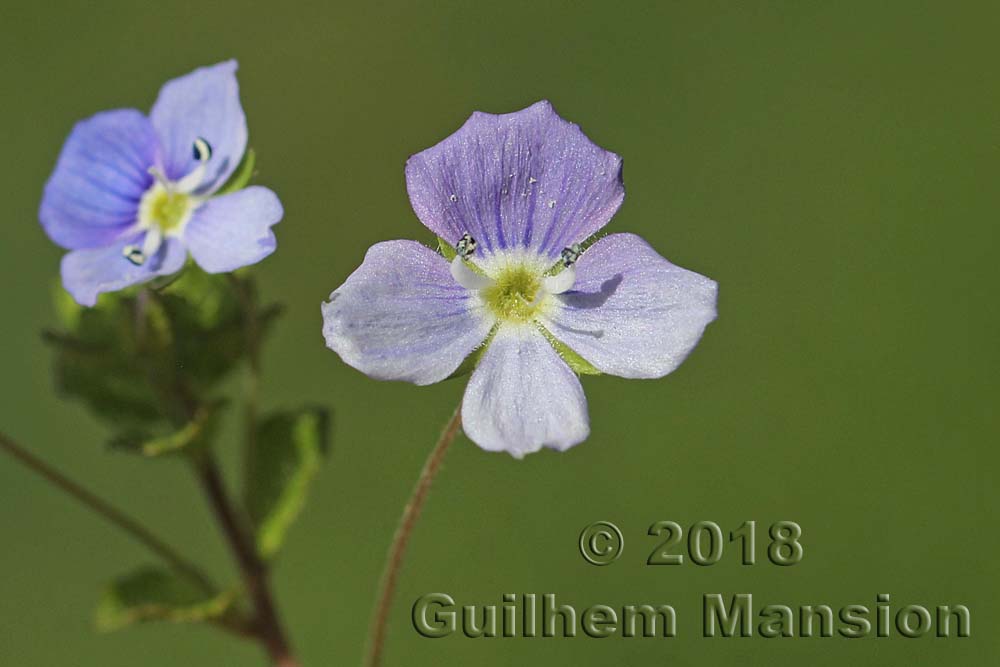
pixel 397 551
pixel 136 530
pixel 254 571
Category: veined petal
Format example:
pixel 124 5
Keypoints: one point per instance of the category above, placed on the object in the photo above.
pixel 93 194
pixel 401 316
pixel 204 104
pixel 522 396
pixel 90 272
pixel 526 179
pixel 631 312
pixel 233 230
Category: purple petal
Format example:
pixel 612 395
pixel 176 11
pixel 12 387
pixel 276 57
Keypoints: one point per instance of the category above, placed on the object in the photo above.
pixel 525 179
pixel 522 397
pixel 203 104
pixel 87 273
pixel 631 312
pixel 233 230
pixel 401 316
pixel 102 172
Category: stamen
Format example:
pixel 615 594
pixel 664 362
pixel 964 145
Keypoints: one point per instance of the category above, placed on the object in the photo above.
pixel 134 254
pixel 571 254
pixel 466 246
pixel 563 281
pixel 160 177
pixel 151 244
pixel 202 153
pixel 466 277
pixel 202 150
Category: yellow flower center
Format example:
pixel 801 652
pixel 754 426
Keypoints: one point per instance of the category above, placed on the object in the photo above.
pixel 512 296
pixel 165 209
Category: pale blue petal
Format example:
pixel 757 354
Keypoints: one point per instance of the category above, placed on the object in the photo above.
pixel 233 230
pixel 102 172
pixel 401 316
pixel 522 396
pixel 631 312
pixel 90 272
pixel 203 104
pixel 520 180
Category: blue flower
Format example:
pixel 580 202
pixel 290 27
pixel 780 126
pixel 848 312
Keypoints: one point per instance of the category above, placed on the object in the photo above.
pixel 518 196
pixel 131 194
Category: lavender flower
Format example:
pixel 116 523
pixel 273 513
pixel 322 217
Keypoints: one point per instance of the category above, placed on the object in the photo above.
pixel 131 194
pixel 518 195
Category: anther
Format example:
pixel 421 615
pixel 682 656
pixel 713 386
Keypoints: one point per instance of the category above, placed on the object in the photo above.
pixel 460 269
pixel 571 254
pixel 150 246
pixel 202 150
pixel 563 281
pixel 466 246
pixel 134 254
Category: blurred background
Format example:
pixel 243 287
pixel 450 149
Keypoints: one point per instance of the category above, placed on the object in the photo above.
pixel 833 166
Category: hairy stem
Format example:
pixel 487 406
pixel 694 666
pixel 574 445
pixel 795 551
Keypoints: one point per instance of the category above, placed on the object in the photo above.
pixel 397 551
pixel 267 625
pixel 126 523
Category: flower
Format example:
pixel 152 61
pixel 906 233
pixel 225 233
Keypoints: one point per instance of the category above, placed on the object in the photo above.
pixel 131 194
pixel 520 197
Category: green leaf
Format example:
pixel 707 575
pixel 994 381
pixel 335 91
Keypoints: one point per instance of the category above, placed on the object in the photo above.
pixel 207 312
pixel 152 594
pixel 198 432
pixel 579 365
pixel 287 455
pixel 98 360
pixel 141 358
pixel 241 175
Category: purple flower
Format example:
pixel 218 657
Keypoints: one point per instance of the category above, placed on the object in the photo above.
pixel 131 194
pixel 518 195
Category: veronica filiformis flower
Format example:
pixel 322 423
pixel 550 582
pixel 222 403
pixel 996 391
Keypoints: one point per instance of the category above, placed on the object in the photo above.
pixel 518 197
pixel 132 195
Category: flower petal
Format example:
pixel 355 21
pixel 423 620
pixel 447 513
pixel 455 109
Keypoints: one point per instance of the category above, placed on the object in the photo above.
pixel 102 172
pixel 233 230
pixel 631 312
pixel 525 179
pixel 203 104
pixel 93 271
pixel 522 396
pixel 401 316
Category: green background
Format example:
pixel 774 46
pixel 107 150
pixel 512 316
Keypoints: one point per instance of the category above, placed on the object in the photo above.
pixel 834 166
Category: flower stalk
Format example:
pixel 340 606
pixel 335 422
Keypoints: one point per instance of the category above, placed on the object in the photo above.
pixel 400 540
